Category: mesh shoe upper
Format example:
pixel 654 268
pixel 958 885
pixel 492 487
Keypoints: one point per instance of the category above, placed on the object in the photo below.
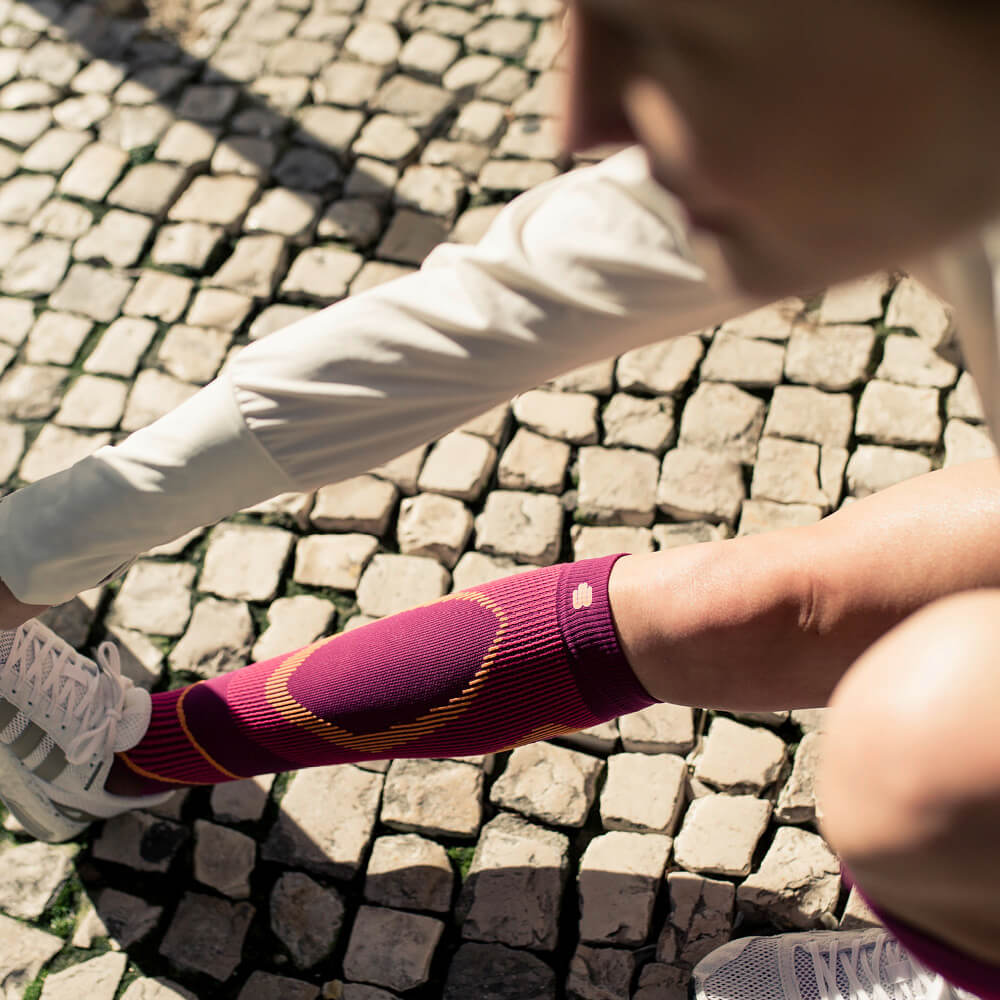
pixel 823 965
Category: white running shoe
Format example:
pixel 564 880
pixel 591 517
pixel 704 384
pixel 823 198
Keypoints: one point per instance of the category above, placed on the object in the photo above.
pixel 819 965
pixel 62 718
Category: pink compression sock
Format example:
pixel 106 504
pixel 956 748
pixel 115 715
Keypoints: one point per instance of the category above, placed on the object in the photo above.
pixel 968 973
pixel 520 659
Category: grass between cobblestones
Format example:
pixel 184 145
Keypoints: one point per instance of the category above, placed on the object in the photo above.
pixel 87 348
pixel 61 916
pixel 65 959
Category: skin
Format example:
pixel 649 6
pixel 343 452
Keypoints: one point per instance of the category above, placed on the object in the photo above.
pixel 817 140
pixel 14 612
pixel 910 780
pixel 817 595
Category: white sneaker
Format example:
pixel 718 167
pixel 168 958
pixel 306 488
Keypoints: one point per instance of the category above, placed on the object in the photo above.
pixel 62 718
pixel 818 965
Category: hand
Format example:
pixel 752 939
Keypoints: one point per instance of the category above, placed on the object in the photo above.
pixel 13 612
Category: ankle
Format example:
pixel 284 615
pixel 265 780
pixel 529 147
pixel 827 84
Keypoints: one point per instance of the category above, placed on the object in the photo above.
pixel 122 780
pixel 14 612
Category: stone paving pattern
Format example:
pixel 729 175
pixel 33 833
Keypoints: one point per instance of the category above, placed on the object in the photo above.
pixel 163 203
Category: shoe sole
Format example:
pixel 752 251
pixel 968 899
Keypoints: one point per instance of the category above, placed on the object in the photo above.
pixel 40 818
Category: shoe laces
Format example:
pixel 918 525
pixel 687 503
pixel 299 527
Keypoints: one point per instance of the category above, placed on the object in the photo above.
pixel 860 958
pixel 75 691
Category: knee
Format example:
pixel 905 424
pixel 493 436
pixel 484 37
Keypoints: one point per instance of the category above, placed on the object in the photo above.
pixel 911 752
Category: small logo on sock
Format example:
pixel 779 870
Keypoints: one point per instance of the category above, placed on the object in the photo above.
pixel 583 596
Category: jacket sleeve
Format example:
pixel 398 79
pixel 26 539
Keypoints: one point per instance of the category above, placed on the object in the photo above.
pixel 589 265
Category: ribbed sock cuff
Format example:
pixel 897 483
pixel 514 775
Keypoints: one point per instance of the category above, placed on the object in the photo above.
pixel 607 682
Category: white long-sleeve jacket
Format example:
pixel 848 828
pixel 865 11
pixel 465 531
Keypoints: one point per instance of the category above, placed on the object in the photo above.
pixel 589 265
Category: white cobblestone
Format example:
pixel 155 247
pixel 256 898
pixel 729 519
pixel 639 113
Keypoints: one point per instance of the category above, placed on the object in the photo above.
pixel 433 525
pixel 833 358
pixel 362 504
pixel 723 420
pixel 661 728
pixel 663 368
pixel 619 877
pixel 458 465
pixel 333 560
pixel 965 443
pixel 217 640
pixel 720 832
pixel 533 462
pixel 550 783
pixel 740 758
pixel 697 485
pixel 306 917
pixel 515 884
pixel 797 801
pixel 644 792
pixel 797 884
pixel 594 542
pixel 310 835
pixel 409 872
pixel 525 526
pixel 634 422
pixel 915 308
pixel 394 583
pixel 436 797
pixel 898 414
pixel 404 966
pixel 753 364
pixel 806 414
pixel 873 467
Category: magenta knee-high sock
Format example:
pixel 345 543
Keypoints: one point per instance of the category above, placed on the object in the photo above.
pixel 520 659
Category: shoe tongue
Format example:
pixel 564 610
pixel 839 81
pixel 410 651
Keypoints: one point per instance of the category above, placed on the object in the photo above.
pixel 134 720
pixel 67 683
pixel 898 972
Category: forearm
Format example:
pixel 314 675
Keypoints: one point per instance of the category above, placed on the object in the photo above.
pixel 773 621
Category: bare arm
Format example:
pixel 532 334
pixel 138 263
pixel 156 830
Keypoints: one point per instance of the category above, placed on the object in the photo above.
pixel 773 621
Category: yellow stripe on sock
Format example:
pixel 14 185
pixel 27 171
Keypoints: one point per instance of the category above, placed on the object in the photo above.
pixel 182 719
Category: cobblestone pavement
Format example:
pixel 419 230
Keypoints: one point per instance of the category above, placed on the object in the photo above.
pixel 162 207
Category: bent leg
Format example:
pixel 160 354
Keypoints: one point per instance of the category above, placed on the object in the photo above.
pixel 910 782
pixel 765 622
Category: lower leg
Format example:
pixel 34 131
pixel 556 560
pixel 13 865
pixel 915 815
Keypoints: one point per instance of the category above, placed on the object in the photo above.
pixel 910 787
pixel 521 659
pixel 379 691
